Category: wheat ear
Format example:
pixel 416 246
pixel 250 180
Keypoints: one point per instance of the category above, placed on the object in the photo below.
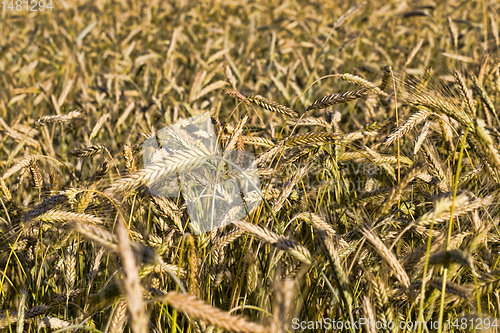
pixel 363 83
pixel 465 92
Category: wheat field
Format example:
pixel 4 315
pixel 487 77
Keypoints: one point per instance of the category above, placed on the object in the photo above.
pixel 370 200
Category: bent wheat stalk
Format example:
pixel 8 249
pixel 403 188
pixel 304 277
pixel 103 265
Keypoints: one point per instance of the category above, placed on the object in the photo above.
pixel 192 306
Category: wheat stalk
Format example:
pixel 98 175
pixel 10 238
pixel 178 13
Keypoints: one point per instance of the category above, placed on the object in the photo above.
pixel 486 141
pixel 488 282
pixel 268 236
pixel 21 164
pixel 310 139
pixel 386 78
pixel 388 256
pixel 89 151
pixel 30 313
pixel 5 190
pixel 118 319
pixel 258 141
pixel 452 288
pixel 128 156
pixel 333 99
pixel 230 76
pixel 65 216
pixel 208 89
pixel 435 164
pixel 478 88
pixel 98 126
pixel 236 134
pixel 20 313
pixel 288 189
pixel 59 118
pixel 273 106
pixel 309 121
pixel 465 92
pixel 52 322
pixel 132 286
pixel 453 256
pixel 69 268
pixel 283 305
pixel 36 174
pixel 410 123
pixel 96 234
pixel 421 137
pixel 236 94
pixel 190 305
pixel 369 313
pixel 440 105
pixel 180 161
pixel 46 205
pixel 397 191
